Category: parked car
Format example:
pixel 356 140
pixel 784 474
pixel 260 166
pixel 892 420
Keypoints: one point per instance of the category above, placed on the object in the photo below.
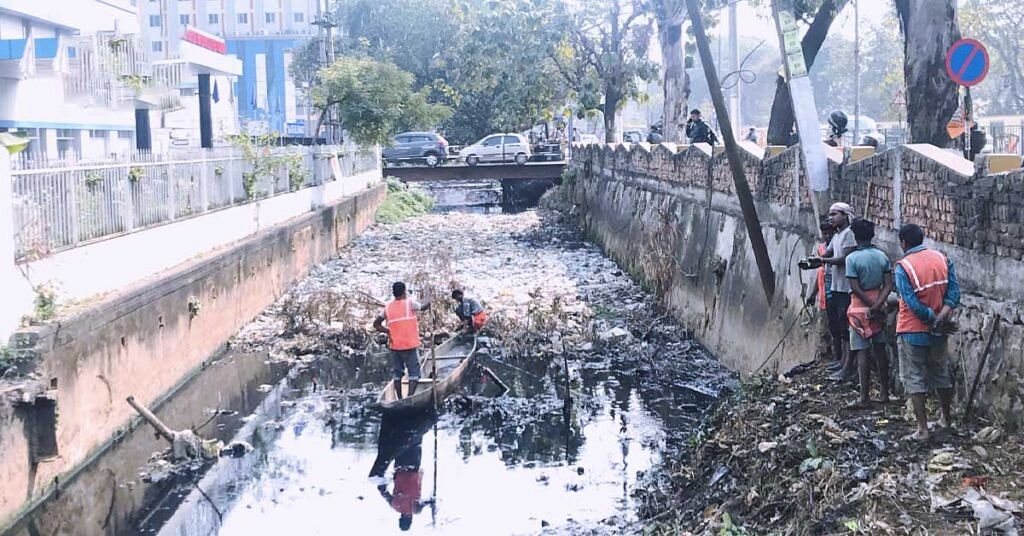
pixel 427 147
pixel 498 148
pixel 633 136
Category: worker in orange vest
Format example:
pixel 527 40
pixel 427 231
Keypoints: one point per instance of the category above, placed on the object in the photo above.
pixel 471 314
pixel 403 330
pixel 929 293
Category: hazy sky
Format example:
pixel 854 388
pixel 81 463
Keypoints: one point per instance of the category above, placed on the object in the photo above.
pixel 758 22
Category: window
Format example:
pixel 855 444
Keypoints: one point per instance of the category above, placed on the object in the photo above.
pixel 124 134
pixel 158 46
pixel 511 140
pixel 154 21
pixel 299 17
pixel 97 133
pixel 271 17
pixel 214 18
pixel 493 141
pixel 184 19
pixel 243 18
pixel 402 139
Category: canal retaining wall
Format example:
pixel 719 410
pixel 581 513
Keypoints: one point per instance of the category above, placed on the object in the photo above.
pixel 144 341
pixel 670 215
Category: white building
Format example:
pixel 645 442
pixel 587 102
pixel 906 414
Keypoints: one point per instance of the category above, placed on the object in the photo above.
pixel 48 89
pixel 261 33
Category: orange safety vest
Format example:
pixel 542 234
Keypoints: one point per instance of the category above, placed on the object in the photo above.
pixel 403 325
pixel 929 276
pixel 821 280
pixel 479 319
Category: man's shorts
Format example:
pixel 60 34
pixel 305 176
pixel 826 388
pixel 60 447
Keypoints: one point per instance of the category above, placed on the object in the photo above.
pixel 837 309
pixel 923 368
pixel 860 343
pixel 402 360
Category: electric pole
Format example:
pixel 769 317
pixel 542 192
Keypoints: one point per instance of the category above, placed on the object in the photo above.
pixel 735 112
pixel 856 72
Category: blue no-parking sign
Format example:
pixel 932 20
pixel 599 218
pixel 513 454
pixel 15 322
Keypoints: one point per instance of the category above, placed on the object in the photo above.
pixel 967 62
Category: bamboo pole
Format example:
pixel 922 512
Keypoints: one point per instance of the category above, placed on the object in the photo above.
pixel 148 416
pixel 764 262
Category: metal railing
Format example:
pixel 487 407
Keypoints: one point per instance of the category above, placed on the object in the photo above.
pixel 62 203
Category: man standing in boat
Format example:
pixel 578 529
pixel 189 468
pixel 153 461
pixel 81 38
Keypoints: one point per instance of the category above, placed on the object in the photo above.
pixel 403 330
pixel 471 314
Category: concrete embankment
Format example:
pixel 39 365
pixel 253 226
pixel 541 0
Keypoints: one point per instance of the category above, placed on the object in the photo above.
pixel 672 217
pixel 145 341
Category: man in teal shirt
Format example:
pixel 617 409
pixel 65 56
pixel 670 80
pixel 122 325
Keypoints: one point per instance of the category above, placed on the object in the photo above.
pixel 870 275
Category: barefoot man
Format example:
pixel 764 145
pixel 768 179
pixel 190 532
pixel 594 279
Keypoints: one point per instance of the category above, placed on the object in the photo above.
pixel 929 293
pixel 403 330
pixel 471 314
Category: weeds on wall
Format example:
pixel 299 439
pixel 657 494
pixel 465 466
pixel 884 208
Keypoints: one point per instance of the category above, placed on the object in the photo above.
pixel 45 303
pixel 262 161
pixel 135 174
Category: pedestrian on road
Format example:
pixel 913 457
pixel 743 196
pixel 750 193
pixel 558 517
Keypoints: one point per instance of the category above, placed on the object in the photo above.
pixel 843 243
pixel 403 330
pixel 929 294
pixel 471 314
pixel 870 275
pixel 698 131
pixel 752 135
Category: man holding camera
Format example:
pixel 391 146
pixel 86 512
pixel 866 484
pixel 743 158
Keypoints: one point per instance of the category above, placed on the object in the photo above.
pixel 843 243
pixel 929 293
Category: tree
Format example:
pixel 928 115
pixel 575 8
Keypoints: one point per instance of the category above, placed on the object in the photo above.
pixel 781 123
pixel 929 29
pixel 606 54
pixel 670 16
pixel 373 99
pixel 998 25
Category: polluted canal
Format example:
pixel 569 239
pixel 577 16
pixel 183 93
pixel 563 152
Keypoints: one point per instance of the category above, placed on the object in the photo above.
pixel 581 386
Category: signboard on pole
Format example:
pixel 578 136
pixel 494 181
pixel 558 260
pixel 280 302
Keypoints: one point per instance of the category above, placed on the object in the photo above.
pixel 802 94
pixel 967 62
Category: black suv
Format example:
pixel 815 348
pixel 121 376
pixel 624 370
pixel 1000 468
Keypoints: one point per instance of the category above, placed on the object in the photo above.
pixel 427 147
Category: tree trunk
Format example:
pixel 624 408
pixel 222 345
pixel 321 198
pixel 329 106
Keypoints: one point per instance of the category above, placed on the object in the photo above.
pixel 780 126
pixel 677 83
pixel 929 29
pixel 611 106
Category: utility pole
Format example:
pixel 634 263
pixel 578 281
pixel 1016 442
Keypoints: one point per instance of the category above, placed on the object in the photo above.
pixel 735 111
pixel 753 224
pixel 856 72
pixel 325 35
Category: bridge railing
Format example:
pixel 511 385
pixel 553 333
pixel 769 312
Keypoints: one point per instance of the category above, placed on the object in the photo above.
pixel 65 202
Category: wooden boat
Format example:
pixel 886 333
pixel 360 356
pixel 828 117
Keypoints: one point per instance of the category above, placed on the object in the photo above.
pixel 452 357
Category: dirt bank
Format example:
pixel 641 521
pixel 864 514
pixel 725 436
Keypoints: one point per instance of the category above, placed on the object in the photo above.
pixel 787 457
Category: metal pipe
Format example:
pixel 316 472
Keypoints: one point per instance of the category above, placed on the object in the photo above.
pixel 856 72
pixel 764 263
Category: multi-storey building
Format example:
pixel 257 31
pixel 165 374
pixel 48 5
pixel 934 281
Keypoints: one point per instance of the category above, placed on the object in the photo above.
pixel 49 92
pixel 261 33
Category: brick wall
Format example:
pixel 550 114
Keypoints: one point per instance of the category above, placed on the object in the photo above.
pixel 977 219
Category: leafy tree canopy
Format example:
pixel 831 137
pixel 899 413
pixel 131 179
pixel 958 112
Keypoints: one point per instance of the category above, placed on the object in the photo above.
pixel 374 99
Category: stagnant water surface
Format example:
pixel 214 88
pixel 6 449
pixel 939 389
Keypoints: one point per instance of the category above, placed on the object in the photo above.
pixel 553 454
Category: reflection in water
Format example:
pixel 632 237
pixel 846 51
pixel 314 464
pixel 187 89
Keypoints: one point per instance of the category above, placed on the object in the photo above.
pixel 401 441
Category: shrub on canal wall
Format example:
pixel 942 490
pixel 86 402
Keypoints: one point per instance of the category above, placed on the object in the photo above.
pixel 402 203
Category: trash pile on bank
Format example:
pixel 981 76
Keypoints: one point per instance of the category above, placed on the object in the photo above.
pixel 786 459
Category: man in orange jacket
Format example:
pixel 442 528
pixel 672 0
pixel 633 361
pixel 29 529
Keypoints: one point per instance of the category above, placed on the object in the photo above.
pixel 403 330
pixel 929 294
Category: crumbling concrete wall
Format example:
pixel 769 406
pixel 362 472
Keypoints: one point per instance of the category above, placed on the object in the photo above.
pixel 650 208
pixel 147 339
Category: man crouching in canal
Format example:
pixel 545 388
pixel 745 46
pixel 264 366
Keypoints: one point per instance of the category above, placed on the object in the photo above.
pixel 471 314
pixel 403 330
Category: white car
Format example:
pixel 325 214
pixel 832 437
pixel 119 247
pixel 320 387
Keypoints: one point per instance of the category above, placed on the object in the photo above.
pixel 498 148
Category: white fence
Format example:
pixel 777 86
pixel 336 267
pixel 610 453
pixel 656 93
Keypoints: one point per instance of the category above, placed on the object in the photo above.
pixel 61 204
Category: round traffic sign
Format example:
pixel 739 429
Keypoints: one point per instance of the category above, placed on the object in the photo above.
pixel 967 62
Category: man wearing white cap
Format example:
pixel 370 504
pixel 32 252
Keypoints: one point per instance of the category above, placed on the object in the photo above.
pixel 843 243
